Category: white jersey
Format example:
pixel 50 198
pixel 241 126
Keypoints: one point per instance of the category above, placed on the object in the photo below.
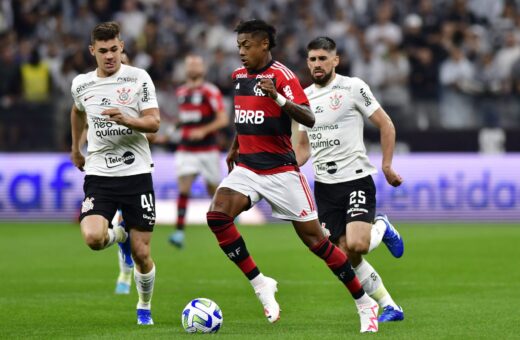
pixel 337 148
pixel 113 149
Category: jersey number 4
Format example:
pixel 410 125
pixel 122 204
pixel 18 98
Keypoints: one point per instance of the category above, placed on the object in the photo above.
pixel 147 202
pixel 357 197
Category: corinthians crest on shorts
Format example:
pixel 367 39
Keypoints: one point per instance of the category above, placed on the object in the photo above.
pixel 87 205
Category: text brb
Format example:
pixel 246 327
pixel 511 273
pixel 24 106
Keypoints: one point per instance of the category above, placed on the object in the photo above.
pixel 249 117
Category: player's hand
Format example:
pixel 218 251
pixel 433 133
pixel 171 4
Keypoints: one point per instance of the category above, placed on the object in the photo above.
pixel 267 85
pixel 78 159
pixel 114 115
pixel 392 177
pixel 196 134
pixel 231 158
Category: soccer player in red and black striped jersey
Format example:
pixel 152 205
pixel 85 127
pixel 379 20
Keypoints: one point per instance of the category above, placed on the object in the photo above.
pixel 267 97
pixel 201 115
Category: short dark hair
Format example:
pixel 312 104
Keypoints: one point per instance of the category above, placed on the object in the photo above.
pixel 105 31
pixel 257 26
pixel 322 43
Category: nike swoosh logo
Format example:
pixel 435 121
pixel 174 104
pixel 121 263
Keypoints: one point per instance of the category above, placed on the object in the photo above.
pixel 87 98
pixel 354 215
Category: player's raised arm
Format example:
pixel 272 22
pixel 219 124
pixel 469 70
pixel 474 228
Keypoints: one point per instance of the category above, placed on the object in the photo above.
pixel 387 130
pixel 301 113
pixel 302 148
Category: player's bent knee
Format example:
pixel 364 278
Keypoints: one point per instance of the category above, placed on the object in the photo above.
pixel 94 241
pixel 141 254
pixel 357 246
pixel 218 221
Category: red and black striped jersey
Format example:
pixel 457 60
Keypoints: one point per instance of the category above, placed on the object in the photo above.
pixel 263 129
pixel 197 107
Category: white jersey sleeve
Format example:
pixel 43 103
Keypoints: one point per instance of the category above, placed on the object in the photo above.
pixel 147 97
pixel 364 100
pixel 75 93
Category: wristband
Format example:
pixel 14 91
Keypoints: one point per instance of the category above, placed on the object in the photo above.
pixel 280 100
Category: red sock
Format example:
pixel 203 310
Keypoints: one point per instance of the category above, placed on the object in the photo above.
pixel 232 243
pixel 182 203
pixel 338 262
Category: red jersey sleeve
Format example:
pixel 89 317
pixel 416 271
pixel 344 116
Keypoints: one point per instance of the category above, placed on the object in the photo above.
pixel 215 98
pixel 292 90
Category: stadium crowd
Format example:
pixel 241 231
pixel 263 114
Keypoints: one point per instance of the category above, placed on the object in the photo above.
pixel 434 64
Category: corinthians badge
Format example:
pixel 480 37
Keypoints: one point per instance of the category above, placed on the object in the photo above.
pixel 335 101
pixel 124 96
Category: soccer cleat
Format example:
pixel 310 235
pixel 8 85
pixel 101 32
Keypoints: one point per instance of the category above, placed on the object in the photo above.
pixel 391 314
pixel 144 317
pixel 122 288
pixel 265 294
pixel 391 238
pixel 126 266
pixel 177 239
pixel 368 317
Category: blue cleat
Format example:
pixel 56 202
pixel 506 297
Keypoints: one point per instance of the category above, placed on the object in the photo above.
pixel 144 317
pixel 391 238
pixel 391 314
pixel 177 239
pixel 126 266
pixel 122 288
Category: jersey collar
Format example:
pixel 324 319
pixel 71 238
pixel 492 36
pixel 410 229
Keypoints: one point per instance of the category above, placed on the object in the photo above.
pixel 263 69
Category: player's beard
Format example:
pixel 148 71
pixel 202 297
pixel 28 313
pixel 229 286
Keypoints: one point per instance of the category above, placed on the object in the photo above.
pixel 323 80
pixel 194 76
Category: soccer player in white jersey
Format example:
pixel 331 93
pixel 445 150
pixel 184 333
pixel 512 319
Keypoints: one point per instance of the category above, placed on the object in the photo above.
pixel 344 189
pixel 119 104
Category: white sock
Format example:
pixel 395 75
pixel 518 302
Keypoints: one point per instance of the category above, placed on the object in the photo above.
pixel 362 301
pixel 373 284
pixel 111 238
pixel 376 234
pixel 144 284
pixel 258 281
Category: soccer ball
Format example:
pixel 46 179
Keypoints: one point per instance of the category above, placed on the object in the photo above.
pixel 202 316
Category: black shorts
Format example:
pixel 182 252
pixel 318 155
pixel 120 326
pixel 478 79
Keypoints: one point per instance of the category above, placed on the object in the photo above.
pixel 341 203
pixel 134 195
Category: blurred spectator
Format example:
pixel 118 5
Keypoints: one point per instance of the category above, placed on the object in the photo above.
pixel 507 55
pixel 490 88
pixel 394 87
pixel 36 79
pixel 373 44
pixel 131 19
pixel 370 68
pixel 383 32
pixel 456 75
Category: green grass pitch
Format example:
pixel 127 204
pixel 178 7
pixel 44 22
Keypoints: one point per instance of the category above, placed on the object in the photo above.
pixel 454 282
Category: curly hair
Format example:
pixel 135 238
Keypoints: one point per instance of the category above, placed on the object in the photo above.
pixel 257 27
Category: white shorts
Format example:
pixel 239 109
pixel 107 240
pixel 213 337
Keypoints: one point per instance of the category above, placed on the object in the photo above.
pixel 288 193
pixel 204 163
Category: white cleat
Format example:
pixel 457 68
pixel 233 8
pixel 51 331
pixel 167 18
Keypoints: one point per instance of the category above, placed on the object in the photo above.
pixel 368 317
pixel 265 294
